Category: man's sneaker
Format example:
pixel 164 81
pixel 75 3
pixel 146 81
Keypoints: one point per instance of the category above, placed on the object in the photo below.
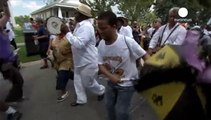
pixel 14 116
pixel 63 97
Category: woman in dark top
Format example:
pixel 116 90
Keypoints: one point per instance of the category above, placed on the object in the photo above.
pixel 43 39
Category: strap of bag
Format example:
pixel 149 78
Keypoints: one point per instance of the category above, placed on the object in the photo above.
pixel 130 51
pixel 170 34
pixel 160 38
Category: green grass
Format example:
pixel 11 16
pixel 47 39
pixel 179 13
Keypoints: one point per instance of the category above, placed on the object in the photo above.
pixel 24 58
pixel 19 37
pixel 22 52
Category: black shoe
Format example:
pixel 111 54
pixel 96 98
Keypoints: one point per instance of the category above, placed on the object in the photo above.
pixel 100 97
pixel 14 116
pixel 74 104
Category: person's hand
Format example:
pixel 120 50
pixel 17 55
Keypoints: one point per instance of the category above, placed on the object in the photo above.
pixel 35 37
pixel 116 78
pixel 48 52
pixel 150 51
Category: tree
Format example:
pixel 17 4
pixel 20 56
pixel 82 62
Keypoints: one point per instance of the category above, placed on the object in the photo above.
pixel 99 6
pixel 21 19
pixel 135 10
pixel 197 10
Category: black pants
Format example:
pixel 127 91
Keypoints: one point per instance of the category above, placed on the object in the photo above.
pixel 3 107
pixel 13 43
pixel 206 88
pixel 62 79
pixel 14 76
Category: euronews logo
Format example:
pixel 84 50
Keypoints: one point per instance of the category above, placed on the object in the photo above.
pixel 183 13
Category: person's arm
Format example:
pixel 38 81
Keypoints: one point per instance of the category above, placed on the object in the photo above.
pixel 6 16
pixel 41 37
pixel 135 49
pixel 42 33
pixel 146 56
pixel 81 40
pixel 50 45
pixel 113 77
pixel 180 36
pixel 154 41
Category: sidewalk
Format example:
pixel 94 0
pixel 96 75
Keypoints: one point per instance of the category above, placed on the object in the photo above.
pixel 39 90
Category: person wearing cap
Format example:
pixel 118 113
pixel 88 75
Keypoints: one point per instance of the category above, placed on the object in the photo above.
pixel 85 54
pixel 43 38
pixel 171 33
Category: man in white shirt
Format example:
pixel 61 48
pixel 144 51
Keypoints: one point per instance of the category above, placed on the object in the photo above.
pixel 84 56
pixel 117 55
pixel 171 33
pixel 124 29
pixel 11 34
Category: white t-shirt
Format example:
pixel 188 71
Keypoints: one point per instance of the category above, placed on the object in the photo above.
pixel 11 34
pixel 150 31
pixel 127 31
pixel 52 37
pixel 122 57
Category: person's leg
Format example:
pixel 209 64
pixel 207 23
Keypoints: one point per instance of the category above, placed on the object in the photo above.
pixel 62 79
pixel 88 77
pixel 124 97
pixel 12 114
pixel 14 76
pixel 71 75
pixel 110 101
pixel 3 107
pixel 79 88
pixel 43 54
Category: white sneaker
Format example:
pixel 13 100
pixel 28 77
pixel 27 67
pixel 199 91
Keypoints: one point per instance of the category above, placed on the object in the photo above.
pixel 63 97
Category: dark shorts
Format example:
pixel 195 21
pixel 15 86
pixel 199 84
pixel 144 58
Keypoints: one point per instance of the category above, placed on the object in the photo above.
pixel 43 48
pixel 62 79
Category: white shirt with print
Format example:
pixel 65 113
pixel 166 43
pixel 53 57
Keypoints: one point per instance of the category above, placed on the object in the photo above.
pixel 118 56
pixel 83 43
pixel 176 38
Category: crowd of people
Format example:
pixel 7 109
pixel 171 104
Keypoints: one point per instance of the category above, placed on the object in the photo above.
pixel 81 52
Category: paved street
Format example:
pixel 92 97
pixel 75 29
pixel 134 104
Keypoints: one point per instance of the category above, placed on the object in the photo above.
pixel 40 103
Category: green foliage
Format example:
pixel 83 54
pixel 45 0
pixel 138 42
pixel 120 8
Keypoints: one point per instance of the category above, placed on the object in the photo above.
pixel 135 10
pixel 21 19
pixel 99 6
pixel 197 9
pixel 148 18
pixel 19 37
